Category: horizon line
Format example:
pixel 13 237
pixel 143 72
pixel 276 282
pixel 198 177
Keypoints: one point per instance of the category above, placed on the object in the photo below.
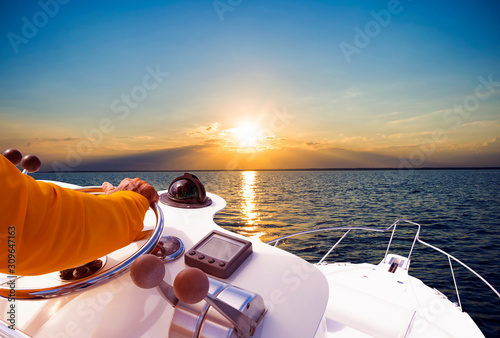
pixel 289 169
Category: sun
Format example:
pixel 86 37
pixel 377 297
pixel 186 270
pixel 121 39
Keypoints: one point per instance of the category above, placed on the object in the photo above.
pixel 247 134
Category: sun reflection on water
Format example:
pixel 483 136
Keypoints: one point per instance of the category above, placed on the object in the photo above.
pixel 248 206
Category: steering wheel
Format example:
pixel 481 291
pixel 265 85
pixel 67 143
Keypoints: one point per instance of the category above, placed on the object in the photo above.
pixel 100 277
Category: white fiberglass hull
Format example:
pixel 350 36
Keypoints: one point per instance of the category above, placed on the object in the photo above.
pixel 368 301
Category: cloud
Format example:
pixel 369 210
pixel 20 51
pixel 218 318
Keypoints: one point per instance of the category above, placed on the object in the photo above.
pixel 427 134
pixel 313 144
pixel 177 158
pixel 482 124
pixel 140 137
pixel 491 146
pixel 245 138
pixel 40 140
pixel 430 118
pixel 211 131
pixel 407 120
pixel 209 156
pixel 389 114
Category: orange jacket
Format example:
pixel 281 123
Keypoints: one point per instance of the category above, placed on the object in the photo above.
pixel 46 228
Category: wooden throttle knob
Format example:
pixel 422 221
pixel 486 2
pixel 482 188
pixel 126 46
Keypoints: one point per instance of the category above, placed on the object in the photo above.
pixel 191 285
pixel 147 271
pixel 31 163
pixel 13 155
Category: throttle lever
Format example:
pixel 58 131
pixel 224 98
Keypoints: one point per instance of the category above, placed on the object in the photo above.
pixel 147 272
pixel 29 163
pixel 191 286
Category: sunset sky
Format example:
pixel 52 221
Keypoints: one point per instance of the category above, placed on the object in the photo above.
pixel 250 84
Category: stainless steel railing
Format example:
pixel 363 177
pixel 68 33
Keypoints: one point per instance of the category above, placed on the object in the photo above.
pixel 393 228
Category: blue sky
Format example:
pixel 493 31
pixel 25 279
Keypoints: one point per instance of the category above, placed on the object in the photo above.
pixel 250 84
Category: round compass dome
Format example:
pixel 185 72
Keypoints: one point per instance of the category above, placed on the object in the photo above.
pixel 186 191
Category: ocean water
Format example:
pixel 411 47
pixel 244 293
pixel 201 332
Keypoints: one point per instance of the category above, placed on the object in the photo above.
pixel 459 211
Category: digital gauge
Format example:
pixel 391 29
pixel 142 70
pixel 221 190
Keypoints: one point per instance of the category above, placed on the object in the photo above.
pixel 218 254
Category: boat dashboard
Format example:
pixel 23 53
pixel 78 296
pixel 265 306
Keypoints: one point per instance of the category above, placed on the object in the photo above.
pixel 285 295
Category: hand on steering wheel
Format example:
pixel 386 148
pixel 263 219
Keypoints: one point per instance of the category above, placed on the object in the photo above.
pixel 136 185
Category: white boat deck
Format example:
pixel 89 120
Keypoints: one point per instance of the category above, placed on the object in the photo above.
pixel 368 301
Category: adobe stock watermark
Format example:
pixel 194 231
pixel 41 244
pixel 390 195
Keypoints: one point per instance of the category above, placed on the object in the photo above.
pixel 122 106
pixel 11 314
pixel 31 26
pixel 90 308
pixel 292 280
pixel 223 6
pixel 428 315
pixel 470 104
pixel 373 28
pixel 457 114
pixel 278 120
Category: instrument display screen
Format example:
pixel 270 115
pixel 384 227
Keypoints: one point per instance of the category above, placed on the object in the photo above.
pixel 219 247
pixel 219 254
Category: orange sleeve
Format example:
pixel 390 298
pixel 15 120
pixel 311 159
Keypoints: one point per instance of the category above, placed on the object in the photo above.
pixel 49 228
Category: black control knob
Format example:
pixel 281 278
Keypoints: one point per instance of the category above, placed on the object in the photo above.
pixel 191 285
pixel 31 163
pixel 147 271
pixel 13 155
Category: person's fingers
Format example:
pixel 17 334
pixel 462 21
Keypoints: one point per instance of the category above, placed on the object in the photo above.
pixel 108 188
pixel 137 185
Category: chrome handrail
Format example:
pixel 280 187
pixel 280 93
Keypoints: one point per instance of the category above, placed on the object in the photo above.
pixel 393 227
pixel 461 263
pixel 10 331
pixel 321 230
